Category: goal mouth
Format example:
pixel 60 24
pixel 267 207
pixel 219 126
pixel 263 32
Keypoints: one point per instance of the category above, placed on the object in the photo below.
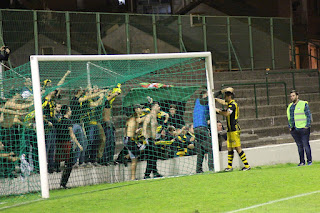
pixel 96 98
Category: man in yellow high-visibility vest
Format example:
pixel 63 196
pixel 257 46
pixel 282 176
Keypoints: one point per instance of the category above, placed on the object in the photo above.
pixel 299 118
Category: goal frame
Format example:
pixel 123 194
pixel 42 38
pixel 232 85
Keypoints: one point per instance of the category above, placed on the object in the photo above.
pixel 34 63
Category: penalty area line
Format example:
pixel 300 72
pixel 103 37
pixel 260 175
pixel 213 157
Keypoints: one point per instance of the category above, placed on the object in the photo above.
pixel 274 201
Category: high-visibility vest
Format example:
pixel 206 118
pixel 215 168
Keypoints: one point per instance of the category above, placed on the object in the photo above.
pixel 300 117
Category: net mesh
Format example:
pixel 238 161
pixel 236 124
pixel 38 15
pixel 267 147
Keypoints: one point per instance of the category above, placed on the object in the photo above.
pixel 105 122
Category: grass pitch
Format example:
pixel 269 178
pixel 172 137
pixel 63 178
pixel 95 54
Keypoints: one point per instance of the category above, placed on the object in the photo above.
pixel 279 188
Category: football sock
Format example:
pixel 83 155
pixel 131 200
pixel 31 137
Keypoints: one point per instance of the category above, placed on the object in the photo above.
pixel 243 157
pixel 230 159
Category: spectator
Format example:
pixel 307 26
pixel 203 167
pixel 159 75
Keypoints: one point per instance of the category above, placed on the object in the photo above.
pixel 222 134
pixel 130 140
pixel 92 116
pixel 78 127
pixel 108 127
pixel 66 141
pixel 233 133
pixel 7 159
pixel 149 131
pixel 26 91
pixel 200 128
pixel 181 144
pixel 299 118
pixel 6 51
pixel 175 119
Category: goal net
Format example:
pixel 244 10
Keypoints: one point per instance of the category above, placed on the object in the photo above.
pixel 105 119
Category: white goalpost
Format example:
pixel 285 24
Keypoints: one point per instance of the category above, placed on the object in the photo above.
pixel 34 63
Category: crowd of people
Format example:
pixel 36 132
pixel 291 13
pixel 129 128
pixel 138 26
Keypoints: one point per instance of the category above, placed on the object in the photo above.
pixel 80 131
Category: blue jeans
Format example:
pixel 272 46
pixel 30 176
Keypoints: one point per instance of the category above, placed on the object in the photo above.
pixel 93 139
pixel 301 137
pixel 82 139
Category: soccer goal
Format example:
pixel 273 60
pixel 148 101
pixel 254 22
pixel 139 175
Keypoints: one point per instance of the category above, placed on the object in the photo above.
pixel 113 118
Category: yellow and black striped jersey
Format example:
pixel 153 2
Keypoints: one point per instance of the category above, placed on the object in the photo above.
pixel 232 119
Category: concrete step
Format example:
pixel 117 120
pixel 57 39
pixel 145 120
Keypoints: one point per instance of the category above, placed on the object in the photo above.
pixel 287 138
pixel 298 81
pixel 252 123
pixel 248 137
pixel 281 139
pixel 276 130
pixel 259 74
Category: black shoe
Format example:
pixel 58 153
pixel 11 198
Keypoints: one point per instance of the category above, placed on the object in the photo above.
pixel 157 175
pixel 64 186
pixel 246 168
pixel 301 164
pixel 125 162
pixel 146 177
pixel 228 169
pixel 199 171
pixel 51 170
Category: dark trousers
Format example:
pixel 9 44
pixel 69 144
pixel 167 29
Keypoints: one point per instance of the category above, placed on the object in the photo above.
pixel 301 137
pixel 203 145
pixel 51 137
pixel 109 149
pixel 68 168
pixel 151 157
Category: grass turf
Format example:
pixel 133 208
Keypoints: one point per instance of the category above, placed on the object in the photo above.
pixel 210 192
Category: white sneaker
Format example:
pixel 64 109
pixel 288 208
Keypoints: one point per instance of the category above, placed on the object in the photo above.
pixel 88 165
pixel 96 164
pixel 76 166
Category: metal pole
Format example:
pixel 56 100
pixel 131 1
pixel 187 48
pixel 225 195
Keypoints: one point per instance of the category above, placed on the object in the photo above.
pixel 293 81
pixel 35 32
pixel 127 33
pixel 1 82
pixel 204 31
pixel 68 33
pixel 272 44
pixel 267 86
pixel 319 80
pixel 213 119
pixel 229 48
pixel 180 33
pixel 292 46
pixel 154 29
pixel 40 127
pixel 251 44
pixel 98 32
pixel 285 92
pixel 255 99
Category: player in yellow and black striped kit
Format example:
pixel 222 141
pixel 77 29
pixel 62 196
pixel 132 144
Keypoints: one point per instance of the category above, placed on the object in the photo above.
pixel 233 133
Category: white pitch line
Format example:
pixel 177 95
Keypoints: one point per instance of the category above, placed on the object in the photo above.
pixel 275 201
pixel 20 204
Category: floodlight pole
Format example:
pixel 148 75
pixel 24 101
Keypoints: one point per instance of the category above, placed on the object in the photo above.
pixel 40 127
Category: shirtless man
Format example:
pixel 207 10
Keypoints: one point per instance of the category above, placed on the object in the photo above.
pixel 9 121
pixel 108 148
pixel 130 139
pixel 149 131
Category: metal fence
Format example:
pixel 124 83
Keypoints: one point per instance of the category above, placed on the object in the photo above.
pixel 236 43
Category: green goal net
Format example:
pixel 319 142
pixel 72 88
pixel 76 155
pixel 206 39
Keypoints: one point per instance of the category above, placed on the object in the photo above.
pixel 104 119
